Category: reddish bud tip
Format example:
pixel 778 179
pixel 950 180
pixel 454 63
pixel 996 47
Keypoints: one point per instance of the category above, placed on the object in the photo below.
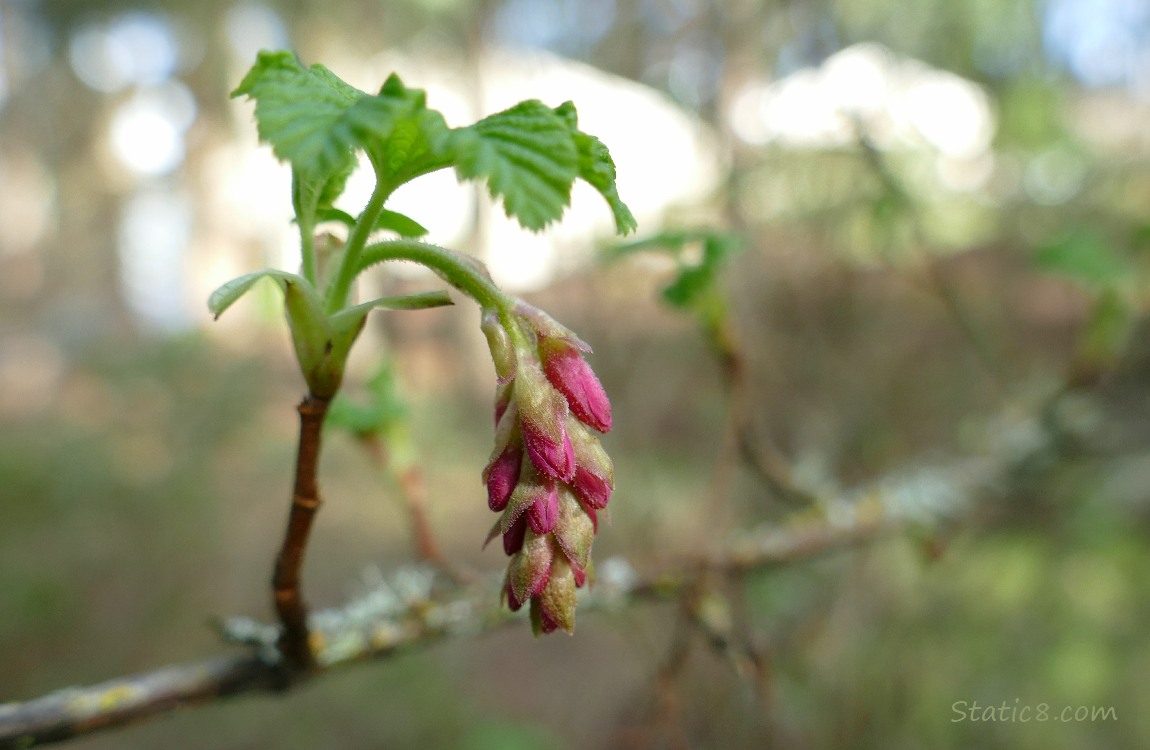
pixel 547 623
pixel 594 519
pixel 513 537
pixel 503 393
pixel 573 377
pixel 544 513
pixel 512 603
pixel 554 459
pixel 594 491
pixel 502 476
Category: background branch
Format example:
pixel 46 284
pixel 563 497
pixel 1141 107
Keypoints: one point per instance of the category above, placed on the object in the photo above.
pixel 408 612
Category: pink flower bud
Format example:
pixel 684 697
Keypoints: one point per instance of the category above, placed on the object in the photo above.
pixel 574 531
pixel 514 536
pixel 530 568
pixel 501 476
pixel 544 326
pixel 592 514
pixel 555 460
pixel 554 607
pixel 503 394
pixel 542 416
pixel 594 473
pixel 532 486
pixel 573 377
pixel 593 490
pixel 512 603
pixel 544 512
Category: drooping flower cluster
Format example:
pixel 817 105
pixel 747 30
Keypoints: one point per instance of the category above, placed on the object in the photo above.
pixel 548 474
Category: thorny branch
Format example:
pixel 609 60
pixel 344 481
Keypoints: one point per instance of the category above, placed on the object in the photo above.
pixel 407 613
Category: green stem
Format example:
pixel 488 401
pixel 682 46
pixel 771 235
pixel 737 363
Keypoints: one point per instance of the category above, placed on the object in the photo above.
pixel 340 289
pixel 307 251
pixel 461 271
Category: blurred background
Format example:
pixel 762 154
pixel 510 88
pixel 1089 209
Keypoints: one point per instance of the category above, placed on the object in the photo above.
pixel 944 215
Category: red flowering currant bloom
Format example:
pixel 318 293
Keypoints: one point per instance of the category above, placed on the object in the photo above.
pixel 572 376
pixel 548 475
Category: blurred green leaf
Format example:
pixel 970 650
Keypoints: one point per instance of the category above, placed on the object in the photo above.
pixel 1107 330
pixel 1084 255
pixel 506 735
pixel 696 278
pixel 382 409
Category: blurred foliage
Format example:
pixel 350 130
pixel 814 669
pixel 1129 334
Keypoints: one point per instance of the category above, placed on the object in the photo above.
pixel 890 302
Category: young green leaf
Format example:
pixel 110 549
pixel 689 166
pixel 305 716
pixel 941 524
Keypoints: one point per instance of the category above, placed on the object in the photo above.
pixel 315 121
pixel 302 113
pixel 597 168
pixel 417 144
pixel 528 158
pixel 224 297
pixel 335 214
pixel 351 316
pixel 382 410
pixel 401 224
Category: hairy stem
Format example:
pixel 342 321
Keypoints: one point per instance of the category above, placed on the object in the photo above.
pixel 461 271
pixel 308 264
pixel 349 265
pixel 293 642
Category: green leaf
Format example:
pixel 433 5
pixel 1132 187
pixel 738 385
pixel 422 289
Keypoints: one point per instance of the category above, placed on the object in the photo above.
pixel 383 409
pixel 527 156
pixel 314 192
pixel 224 297
pixel 1085 256
pixel 302 113
pixel 1107 330
pixel 403 225
pixel 696 279
pixel 597 168
pixel 393 221
pixel 335 214
pixel 351 316
pixel 315 121
pixel 670 242
pixel 418 144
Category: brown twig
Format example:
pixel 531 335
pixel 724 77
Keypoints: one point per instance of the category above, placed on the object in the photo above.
pixel 937 284
pixel 758 455
pixel 72 712
pixel 409 482
pixel 294 643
